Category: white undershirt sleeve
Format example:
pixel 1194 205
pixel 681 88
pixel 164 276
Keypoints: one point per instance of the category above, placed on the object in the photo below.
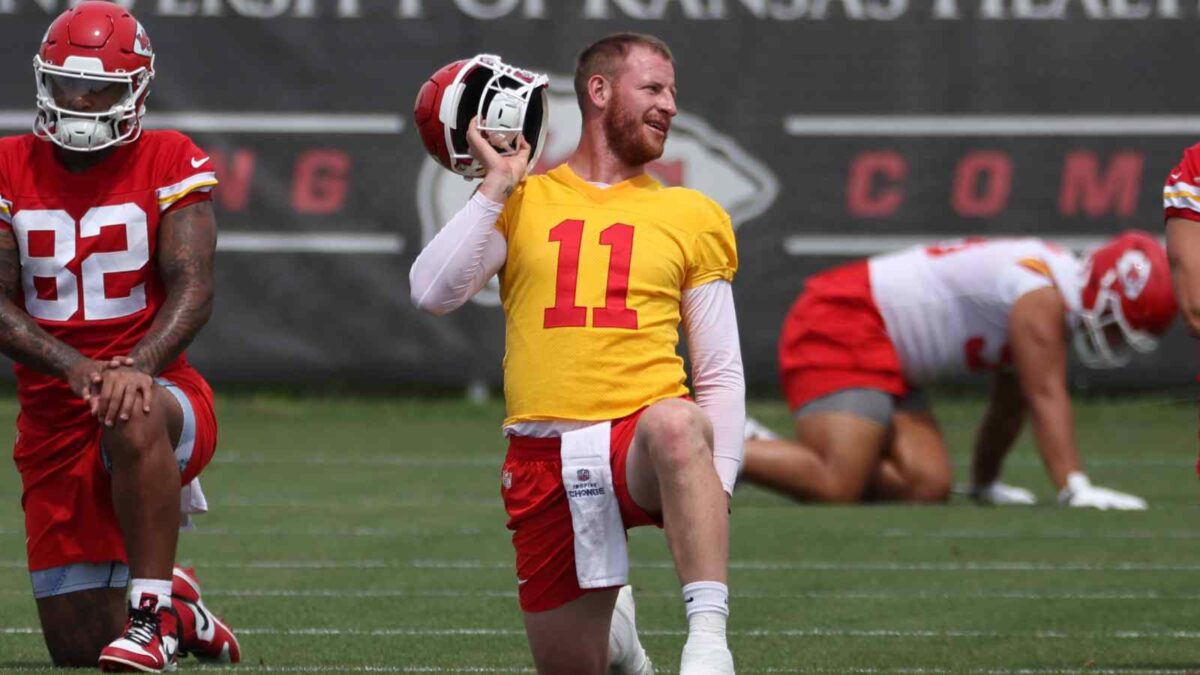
pixel 461 258
pixel 710 324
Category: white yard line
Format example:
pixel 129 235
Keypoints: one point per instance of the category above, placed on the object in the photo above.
pixel 1134 535
pixel 866 596
pixel 895 533
pixel 367 460
pixel 741 565
pixel 816 632
pixel 903 670
pixel 235 502
pixel 317 532
pixel 494 461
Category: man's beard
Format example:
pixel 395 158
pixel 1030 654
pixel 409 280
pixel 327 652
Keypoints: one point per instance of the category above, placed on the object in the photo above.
pixel 627 136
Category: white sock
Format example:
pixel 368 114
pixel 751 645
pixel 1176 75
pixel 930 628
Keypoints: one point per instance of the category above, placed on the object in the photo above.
pixel 156 587
pixel 707 607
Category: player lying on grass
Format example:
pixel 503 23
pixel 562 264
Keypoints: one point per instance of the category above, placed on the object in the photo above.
pixel 862 339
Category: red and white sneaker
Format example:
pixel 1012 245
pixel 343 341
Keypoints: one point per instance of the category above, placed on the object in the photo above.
pixel 202 633
pixel 149 641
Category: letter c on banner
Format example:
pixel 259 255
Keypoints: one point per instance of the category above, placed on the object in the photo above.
pixel 872 188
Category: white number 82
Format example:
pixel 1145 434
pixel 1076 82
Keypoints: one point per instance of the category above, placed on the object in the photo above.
pixel 96 305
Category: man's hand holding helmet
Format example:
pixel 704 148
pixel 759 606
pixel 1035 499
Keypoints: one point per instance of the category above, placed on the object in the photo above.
pixel 502 172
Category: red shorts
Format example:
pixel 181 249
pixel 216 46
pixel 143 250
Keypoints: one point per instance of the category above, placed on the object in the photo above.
pixel 834 338
pixel 540 518
pixel 67 492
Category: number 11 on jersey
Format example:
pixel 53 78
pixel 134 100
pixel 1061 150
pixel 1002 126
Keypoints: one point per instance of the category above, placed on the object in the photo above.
pixel 615 313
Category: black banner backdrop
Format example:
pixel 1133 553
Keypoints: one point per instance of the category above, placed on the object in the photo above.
pixel 828 128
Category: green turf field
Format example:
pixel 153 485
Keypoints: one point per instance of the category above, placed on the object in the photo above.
pixel 368 535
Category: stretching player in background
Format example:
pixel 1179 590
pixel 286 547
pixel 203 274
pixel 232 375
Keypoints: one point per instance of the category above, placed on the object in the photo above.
pixel 862 339
pixel 106 251
pixel 598 264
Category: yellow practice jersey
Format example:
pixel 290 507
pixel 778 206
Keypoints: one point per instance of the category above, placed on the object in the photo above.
pixel 592 290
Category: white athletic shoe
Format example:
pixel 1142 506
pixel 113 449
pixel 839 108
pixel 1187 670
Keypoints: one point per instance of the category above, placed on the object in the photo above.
pixel 625 653
pixel 756 431
pixel 706 655
pixel 1001 494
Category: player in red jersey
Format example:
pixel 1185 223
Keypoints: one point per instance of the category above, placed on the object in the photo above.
pixel 1181 210
pixel 107 238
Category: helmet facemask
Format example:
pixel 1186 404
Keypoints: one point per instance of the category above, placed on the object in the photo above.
pixel 507 101
pixel 1106 319
pixel 89 131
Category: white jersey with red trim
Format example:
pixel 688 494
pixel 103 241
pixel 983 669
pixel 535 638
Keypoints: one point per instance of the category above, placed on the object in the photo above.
pixel 946 306
pixel 1181 193
pixel 87 245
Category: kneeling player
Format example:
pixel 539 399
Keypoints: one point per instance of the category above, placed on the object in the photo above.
pixel 862 338
pixel 106 249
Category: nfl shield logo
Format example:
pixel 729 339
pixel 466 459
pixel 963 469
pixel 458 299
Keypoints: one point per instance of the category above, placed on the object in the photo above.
pixel 583 475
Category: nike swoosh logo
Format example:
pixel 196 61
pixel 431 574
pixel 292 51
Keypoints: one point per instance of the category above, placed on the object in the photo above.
pixel 197 163
pixel 521 581
pixel 689 600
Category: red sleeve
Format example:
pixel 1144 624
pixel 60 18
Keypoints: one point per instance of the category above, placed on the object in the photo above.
pixel 1181 193
pixel 187 200
pixel 187 174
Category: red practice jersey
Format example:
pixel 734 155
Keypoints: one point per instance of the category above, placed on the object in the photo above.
pixel 88 243
pixel 1181 194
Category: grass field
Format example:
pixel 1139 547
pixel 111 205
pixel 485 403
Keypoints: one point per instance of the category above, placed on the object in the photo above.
pixel 368 535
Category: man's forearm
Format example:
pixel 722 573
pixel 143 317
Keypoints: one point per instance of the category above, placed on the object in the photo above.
pixel 27 343
pixel 178 321
pixel 995 438
pixel 1054 431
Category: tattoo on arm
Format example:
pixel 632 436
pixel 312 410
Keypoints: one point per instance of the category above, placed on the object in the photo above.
pixel 187 240
pixel 20 337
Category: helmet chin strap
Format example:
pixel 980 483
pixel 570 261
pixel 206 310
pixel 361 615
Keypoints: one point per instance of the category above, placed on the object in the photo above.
pixel 82 134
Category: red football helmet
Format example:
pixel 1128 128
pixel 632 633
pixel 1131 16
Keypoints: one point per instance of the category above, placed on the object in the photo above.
pixel 1127 300
pixel 87 48
pixel 508 101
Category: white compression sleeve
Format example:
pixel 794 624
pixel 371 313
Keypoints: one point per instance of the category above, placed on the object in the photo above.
pixel 710 323
pixel 461 258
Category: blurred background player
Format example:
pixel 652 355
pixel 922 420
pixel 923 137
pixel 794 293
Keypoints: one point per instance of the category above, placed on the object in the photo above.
pixel 106 250
pixel 598 263
pixel 861 339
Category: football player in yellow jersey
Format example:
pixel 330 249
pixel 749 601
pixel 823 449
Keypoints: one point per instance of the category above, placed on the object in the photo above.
pixel 598 265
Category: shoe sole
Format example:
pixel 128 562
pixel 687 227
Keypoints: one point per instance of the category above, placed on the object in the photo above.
pixel 112 664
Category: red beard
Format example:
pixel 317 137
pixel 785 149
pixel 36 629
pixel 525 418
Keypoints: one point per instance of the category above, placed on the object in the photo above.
pixel 628 136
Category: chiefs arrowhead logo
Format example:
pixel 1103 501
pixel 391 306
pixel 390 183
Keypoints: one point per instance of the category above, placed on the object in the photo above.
pixel 697 156
pixel 141 42
pixel 1133 269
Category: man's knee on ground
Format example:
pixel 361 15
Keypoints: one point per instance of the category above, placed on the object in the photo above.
pixel 676 433
pixel 571 660
pixel 931 485
pixel 76 626
pixel 74 651
pixel 841 488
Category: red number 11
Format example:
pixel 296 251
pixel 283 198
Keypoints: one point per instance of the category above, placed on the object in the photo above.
pixel 614 313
